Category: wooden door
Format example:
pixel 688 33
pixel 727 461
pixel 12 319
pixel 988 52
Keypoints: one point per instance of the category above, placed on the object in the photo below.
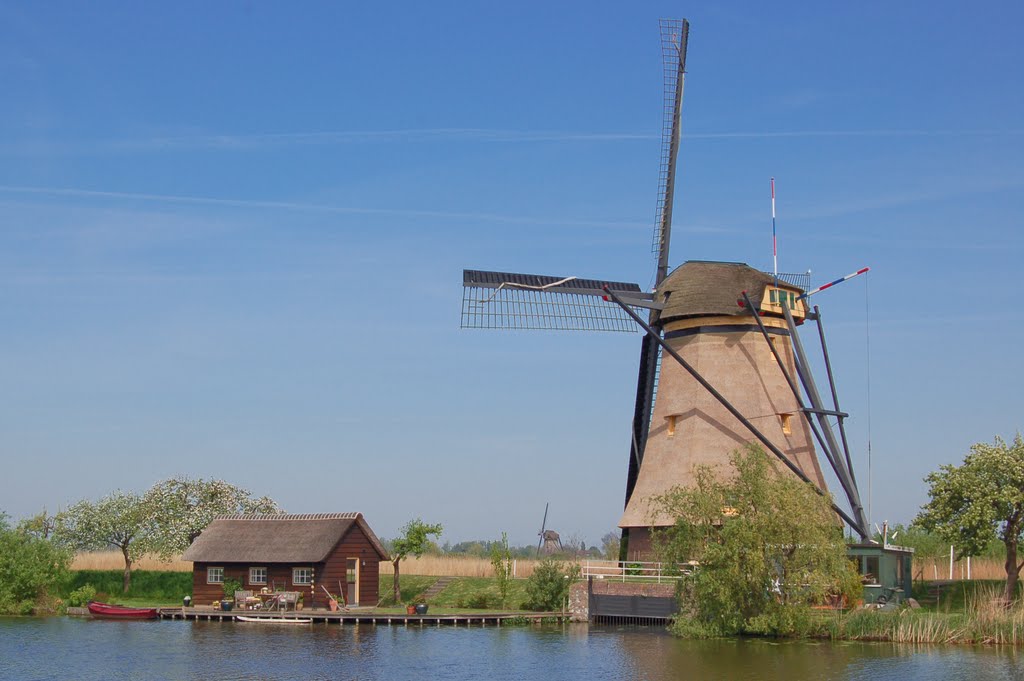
pixel 352 580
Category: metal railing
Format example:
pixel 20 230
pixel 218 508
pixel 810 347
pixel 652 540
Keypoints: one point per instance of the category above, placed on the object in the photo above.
pixel 635 571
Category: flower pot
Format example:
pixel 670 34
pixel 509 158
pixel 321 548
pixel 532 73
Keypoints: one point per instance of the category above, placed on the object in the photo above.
pixel 410 609
pixel 421 609
pixel 187 601
pixel 226 605
pixel 332 605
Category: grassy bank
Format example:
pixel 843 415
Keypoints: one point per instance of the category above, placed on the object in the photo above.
pixel 479 593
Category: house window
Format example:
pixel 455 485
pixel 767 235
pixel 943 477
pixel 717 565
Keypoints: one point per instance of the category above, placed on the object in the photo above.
pixel 257 575
pixel 671 425
pixel 302 575
pixel 214 575
pixel 772 348
pixel 787 423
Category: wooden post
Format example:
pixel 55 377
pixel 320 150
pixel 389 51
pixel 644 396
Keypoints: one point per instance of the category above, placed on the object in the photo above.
pixel 951 561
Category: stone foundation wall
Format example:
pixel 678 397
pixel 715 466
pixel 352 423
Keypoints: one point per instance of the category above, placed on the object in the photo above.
pixel 579 599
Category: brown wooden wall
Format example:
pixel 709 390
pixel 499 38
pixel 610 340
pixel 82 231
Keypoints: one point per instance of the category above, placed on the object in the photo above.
pixel 353 545
pixel 279 575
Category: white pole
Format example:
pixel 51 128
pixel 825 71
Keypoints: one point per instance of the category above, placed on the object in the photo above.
pixel 951 561
pixel 514 561
pixel 968 567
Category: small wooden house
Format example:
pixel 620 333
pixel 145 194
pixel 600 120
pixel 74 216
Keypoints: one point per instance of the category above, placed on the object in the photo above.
pixel 886 571
pixel 305 553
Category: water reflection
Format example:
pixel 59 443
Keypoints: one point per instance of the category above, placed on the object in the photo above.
pixel 58 648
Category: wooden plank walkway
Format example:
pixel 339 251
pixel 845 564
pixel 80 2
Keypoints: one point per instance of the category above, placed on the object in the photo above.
pixel 370 618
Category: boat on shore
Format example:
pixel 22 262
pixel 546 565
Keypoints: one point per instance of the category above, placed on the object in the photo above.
pixel 120 612
pixel 274 620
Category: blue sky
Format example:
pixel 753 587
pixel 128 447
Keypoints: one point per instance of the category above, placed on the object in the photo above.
pixel 232 236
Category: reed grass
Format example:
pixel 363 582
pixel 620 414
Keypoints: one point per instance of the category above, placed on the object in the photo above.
pixel 938 568
pixel 112 560
pixel 455 566
pixel 985 620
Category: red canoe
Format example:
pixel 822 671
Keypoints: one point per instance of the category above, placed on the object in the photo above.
pixel 119 612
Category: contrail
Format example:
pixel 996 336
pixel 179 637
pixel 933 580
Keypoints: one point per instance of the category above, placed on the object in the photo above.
pixel 254 141
pixel 309 207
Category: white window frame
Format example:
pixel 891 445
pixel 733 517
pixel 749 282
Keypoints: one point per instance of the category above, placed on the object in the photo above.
pixel 308 576
pixel 252 580
pixel 211 572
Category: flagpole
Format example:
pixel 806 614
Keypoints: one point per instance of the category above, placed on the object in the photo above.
pixel 775 249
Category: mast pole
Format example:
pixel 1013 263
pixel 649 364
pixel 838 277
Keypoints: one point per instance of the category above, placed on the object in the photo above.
pixel 775 248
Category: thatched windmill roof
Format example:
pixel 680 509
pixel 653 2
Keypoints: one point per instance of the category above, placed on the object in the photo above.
pixel 281 538
pixel 708 288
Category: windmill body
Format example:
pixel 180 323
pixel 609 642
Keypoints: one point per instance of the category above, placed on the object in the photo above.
pixel 737 362
pixel 689 428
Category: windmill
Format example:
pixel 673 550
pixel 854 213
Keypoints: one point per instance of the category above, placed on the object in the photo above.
pixel 550 541
pixel 732 375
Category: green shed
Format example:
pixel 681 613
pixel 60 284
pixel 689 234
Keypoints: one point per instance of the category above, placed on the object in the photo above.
pixel 885 571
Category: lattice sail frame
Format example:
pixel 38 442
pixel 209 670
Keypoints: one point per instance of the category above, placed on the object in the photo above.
pixel 505 300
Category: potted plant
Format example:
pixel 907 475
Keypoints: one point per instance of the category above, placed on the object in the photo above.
pixel 421 605
pixel 410 607
pixel 230 585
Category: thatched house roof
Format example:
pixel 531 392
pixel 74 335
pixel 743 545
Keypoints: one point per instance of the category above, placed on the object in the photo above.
pixel 281 538
pixel 707 288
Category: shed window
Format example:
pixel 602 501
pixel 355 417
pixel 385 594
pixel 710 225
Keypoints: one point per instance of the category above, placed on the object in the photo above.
pixel 302 575
pixel 257 575
pixel 869 569
pixel 214 575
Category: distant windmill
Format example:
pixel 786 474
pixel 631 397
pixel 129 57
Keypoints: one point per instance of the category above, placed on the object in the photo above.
pixel 550 541
pixel 736 366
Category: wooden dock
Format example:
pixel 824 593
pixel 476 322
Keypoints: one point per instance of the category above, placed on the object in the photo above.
pixel 368 618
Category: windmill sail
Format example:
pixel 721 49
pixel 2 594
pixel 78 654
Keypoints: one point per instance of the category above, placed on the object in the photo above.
pixel 505 300
pixel 674 36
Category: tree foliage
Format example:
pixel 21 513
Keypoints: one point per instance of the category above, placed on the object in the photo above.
pixel 413 541
pixel 31 567
pixel 768 547
pixel 161 522
pixel 981 499
pixel 118 520
pixel 610 544
pixel 548 587
pixel 501 561
pixel 181 508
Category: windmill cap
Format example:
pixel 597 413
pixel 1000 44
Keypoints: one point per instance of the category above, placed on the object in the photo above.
pixel 699 288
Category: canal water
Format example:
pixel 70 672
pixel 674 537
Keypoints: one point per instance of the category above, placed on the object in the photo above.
pixel 69 648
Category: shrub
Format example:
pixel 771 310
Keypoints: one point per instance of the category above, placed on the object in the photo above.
pixel 548 586
pixel 478 602
pixel 30 570
pixel 81 596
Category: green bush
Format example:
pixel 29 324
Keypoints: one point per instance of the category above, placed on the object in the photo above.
pixel 31 569
pixel 80 596
pixel 479 602
pixel 548 586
